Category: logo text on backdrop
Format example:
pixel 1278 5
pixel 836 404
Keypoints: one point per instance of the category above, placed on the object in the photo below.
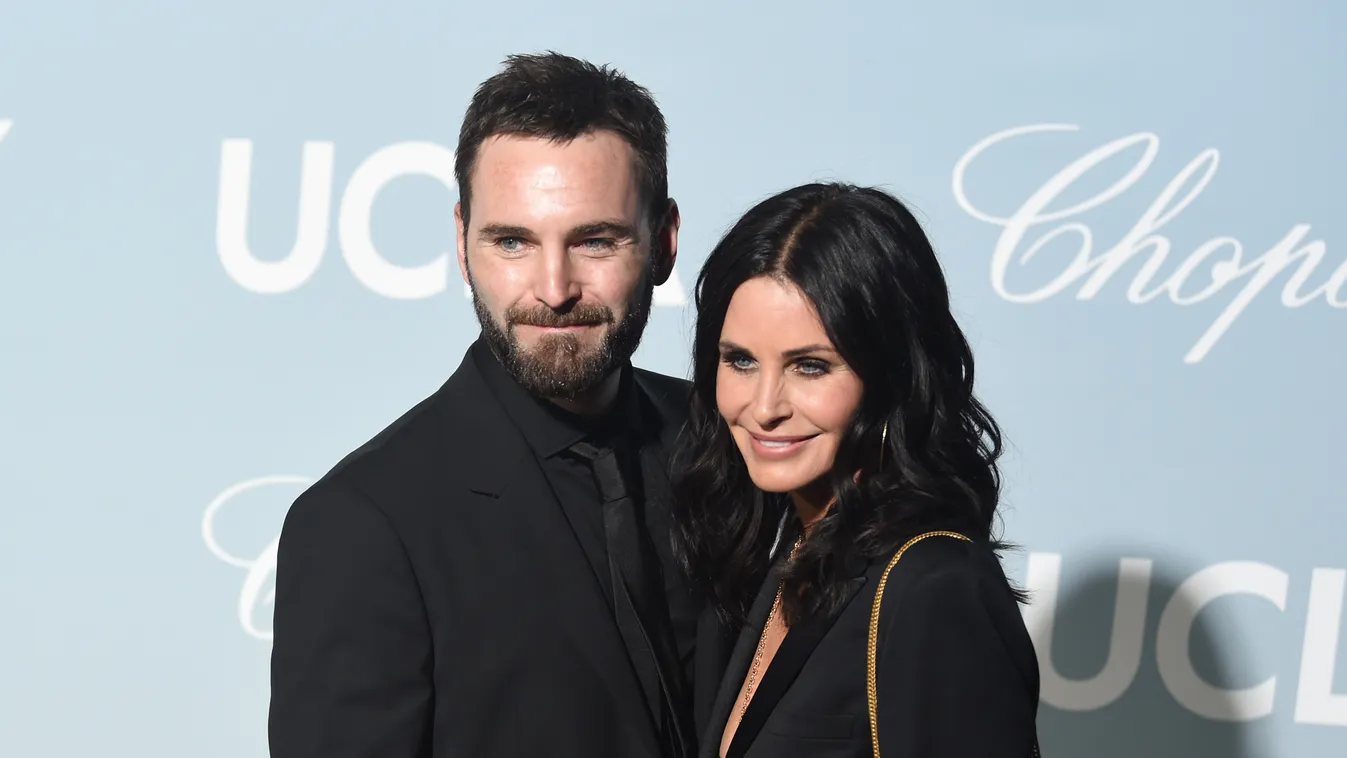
pixel 316 189
pixel 1315 701
pixel 1221 259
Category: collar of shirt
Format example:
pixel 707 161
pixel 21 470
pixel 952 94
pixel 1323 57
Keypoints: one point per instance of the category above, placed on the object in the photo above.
pixel 546 428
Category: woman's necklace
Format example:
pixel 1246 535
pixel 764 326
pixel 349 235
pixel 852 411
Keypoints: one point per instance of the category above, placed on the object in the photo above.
pixel 762 641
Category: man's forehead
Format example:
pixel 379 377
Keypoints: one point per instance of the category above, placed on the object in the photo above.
pixel 600 153
pixel 525 181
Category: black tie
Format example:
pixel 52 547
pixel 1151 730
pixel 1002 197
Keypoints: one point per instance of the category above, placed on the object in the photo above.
pixel 637 596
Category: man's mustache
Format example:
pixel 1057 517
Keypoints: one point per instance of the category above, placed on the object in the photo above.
pixel 585 314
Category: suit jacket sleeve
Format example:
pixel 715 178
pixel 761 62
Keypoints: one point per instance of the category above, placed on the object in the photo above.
pixel 351 651
pixel 948 682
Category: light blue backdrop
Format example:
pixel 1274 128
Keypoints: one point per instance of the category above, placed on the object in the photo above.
pixel 1179 428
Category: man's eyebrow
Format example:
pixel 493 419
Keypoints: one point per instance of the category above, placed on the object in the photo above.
pixel 606 227
pixel 503 230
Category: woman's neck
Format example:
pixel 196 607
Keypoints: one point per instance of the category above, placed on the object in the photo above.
pixel 812 503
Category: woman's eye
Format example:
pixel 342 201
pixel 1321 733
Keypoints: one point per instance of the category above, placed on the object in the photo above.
pixel 812 367
pixel 738 362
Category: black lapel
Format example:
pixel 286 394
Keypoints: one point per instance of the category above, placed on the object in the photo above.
pixel 715 642
pixel 499 465
pixel 794 652
pixel 494 451
pixel 737 667
pixel 670 410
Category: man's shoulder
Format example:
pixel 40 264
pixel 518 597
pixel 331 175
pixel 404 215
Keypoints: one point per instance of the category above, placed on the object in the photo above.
pixel 666 391
pixel 417 455
pixel 411 441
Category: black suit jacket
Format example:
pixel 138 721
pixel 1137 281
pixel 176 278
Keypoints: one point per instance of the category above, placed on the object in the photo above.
pixel 957 675
pixel 432 600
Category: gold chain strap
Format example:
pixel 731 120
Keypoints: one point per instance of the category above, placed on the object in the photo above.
pixel 871 691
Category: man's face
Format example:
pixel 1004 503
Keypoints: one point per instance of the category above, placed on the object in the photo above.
pixel 561 257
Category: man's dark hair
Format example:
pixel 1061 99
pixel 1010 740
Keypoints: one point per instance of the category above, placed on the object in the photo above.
pixel 557 97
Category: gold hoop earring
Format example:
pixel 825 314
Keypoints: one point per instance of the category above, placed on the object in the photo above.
pixel 883 443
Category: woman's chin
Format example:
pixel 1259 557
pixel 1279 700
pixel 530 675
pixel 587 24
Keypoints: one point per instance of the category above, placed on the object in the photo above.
pixel 778 482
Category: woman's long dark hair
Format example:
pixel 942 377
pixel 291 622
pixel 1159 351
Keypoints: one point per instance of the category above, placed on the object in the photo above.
pixel 863 261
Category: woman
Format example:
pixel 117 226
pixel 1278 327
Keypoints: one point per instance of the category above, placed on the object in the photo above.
pixel 832 421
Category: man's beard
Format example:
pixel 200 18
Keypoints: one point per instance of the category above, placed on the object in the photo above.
pixel 560 366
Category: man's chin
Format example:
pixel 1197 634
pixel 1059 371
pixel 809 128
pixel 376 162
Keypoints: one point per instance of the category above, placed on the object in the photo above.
pixel 561 350
pixel 567 366
pixel 534 340
pixel 560 370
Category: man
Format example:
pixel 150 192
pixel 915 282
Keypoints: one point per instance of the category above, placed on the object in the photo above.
pixel 491 575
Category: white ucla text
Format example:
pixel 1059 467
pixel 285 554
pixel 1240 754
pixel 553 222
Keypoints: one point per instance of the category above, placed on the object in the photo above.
pixel 316 191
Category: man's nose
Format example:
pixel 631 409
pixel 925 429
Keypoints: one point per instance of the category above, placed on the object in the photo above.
pixel 556 284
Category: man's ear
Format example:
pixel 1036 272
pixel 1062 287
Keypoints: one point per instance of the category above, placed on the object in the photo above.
pixel 664 246
pixel 461 240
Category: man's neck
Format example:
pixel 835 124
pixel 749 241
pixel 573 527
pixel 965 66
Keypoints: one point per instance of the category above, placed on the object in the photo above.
pixel 594 402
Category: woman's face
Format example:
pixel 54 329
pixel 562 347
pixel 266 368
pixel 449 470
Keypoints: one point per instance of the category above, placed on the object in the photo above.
pixel 783 390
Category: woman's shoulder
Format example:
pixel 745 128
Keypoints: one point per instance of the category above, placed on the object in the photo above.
pixel 941 575
pixel 940 558
pixel 946 590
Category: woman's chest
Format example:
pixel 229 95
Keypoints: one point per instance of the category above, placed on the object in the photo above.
pixel 822 711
